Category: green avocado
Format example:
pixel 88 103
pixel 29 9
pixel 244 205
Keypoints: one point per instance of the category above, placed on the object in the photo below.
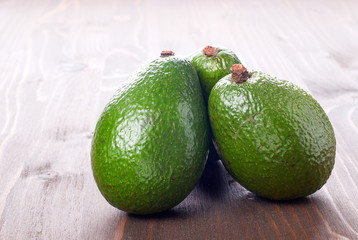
pixel 275 139
pixel 212 64
pixel 150 144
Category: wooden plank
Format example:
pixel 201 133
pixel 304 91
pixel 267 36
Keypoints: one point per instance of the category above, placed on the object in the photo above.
pixel 61 61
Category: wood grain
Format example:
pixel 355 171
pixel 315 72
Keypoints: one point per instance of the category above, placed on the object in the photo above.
pixel 61 61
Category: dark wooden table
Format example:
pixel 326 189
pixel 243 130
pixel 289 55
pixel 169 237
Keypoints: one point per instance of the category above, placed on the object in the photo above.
pixel 61 61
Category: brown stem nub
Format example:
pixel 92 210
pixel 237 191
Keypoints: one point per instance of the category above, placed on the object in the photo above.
pixel 239 73
pixel 210 51
pixel 166 53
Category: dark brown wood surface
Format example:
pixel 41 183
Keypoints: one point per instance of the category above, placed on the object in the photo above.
pixel 61 61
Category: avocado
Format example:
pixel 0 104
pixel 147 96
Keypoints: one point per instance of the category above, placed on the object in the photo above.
pixel 211 64
pixel 151 142
pixel 275 139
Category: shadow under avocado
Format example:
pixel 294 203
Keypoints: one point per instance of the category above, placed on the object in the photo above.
pixel 212 182
pixel 168 214
pixel 297 202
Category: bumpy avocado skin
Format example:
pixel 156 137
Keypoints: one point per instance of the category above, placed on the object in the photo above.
pixel 150 143
pixel 275 139
pixel 211 69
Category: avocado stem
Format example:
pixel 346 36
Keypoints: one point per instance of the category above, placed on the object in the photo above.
pixel 239 73
pixel 166 53
pixel 210 51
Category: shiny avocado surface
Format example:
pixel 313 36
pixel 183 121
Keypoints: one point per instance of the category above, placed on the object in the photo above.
pixel 275 139
pixel 212 64
pixel 150 143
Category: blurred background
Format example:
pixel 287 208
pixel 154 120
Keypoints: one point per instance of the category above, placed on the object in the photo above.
pixel 295 40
